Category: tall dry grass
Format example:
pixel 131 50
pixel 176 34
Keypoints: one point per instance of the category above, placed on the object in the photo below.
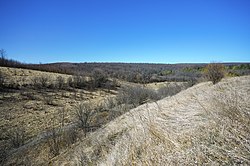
pixel 224 139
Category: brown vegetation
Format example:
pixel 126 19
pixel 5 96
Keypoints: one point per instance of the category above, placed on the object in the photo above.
pixel 204 125
pixel 214 72
pixel 44 115
pixel 131 72
pixel 53 111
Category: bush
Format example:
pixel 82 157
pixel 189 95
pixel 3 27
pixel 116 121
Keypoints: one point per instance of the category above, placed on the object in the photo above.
pixel 54 143
pixel 136 95
pixel 78 81
pixel 70 82
pixel 44 81
pixel 214 72
pixel 35 82
pixel 85 113
pixel 60 82
pixel 170 90
pixel 40 82
pixel 70 136
pixel 17 137
pixel 99 78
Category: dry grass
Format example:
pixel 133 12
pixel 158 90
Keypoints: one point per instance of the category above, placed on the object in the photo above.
pixel 203 125
pixel 36 111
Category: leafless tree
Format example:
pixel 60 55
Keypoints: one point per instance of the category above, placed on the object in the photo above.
pixel 85 113
pixel 3 57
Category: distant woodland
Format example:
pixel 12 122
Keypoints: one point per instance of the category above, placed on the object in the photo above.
pixel 131 72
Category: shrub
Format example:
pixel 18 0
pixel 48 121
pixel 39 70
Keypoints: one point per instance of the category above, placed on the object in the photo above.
pixel 136 95
pixel 35 82
pixel 214 72
pixel 17 137
pixel 40 82
pixel 70 136
pixel 60 82
pixel 99 78
pixel 54 142
pixel 85 113
pixel 76 81
pixel 44 81
pixel 71 82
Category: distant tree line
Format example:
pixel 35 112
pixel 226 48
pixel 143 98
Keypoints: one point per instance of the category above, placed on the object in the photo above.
pixel 4 61
pixel 131 72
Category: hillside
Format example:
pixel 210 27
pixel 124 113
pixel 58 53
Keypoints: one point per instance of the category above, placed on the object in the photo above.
pixel 40 110
pixel 205 124
pixel 34 105
pixel 39 125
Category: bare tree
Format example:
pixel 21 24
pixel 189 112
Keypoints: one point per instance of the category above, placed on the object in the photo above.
pixel 3 57
pixel 85 113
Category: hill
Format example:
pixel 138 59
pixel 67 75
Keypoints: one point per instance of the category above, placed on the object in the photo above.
pixel 130 123
pixel 34 105
pixel 205 124
pixel 41 112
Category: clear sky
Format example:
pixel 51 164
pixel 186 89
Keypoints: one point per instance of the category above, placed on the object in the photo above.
pixel 155 31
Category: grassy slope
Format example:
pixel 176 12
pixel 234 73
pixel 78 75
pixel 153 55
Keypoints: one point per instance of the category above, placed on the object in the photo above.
pixel 203 124
pixel 37 110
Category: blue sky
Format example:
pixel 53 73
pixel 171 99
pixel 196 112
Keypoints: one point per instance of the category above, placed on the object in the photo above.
pixel 154 31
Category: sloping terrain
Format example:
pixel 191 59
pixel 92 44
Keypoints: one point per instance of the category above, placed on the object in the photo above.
pixel 31 112
pixel 205 124
pixel 38 118
pixel 37 109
